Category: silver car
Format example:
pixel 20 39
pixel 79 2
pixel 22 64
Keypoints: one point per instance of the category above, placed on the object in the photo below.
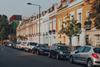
pixel 88 55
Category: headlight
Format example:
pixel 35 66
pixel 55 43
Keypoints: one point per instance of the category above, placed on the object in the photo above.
pixel 61 52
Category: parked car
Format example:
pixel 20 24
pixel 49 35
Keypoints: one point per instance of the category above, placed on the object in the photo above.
pixel 30 46
pixel 41 49
pixel 17 44
pixel 88 55
pixel 11 44
pixel 21 45
pixel 59 51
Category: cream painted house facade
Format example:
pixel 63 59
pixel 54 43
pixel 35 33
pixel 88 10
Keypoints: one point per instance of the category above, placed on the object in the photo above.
pixel 51 23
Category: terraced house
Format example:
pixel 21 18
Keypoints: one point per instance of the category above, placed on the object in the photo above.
pixel 81 11
pixel 28 29
pixel 52 22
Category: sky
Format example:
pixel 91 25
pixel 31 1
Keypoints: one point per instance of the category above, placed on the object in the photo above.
pixel 20 7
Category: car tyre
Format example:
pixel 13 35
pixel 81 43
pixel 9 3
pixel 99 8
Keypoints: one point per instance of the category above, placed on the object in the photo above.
pixel 89 63
pixel 57 57
pixel 33 52
pixel 49 55
pixel 37 52
pixel 71 59
pixel 30 50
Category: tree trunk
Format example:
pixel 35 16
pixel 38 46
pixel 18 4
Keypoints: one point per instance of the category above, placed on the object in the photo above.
pixel 70 43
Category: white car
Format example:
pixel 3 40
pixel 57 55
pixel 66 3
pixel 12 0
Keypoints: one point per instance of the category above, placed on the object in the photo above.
pixel 21 45
pixel 30 46
pixel 17 44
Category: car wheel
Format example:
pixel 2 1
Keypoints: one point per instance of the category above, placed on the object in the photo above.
pixel 89 63
pixel 37 53
pixel 49 55
pixel 33 52
pixel 57 57
pixel 71 59
pixel 30 50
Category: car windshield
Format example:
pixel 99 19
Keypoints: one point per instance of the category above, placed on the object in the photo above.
pixel 62 48
pixel 97 50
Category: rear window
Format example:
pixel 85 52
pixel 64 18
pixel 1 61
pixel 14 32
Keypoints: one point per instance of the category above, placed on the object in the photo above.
pixel 97 50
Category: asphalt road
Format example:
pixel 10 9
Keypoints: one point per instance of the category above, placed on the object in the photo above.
pixel 10 57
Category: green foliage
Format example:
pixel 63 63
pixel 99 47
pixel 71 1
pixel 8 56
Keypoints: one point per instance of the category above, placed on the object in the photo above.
pixel 95 13
pixel 4 27
pixel 22 37
pixel 15 24
pixel 72 29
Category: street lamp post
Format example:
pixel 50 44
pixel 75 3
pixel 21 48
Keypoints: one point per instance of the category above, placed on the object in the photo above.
pixel 39 16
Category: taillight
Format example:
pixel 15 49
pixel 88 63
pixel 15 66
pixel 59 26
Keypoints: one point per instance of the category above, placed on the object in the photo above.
pixel 95 55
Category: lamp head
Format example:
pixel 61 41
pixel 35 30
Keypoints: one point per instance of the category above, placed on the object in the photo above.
pixel 29 3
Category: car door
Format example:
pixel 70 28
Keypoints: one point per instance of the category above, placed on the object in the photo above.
pixel 77 55
pixel 85 54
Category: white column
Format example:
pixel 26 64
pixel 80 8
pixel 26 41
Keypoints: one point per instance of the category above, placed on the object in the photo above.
pixel 82 38
pixel 74 41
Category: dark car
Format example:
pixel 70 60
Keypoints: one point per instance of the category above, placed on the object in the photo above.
pixel 41 49
pixel 13 44
pixel 59 52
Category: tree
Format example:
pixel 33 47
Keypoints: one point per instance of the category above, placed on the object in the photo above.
pixel 4 27
pixel 20 37
pixel 95 13
pixel 14 26
pixel 70 28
